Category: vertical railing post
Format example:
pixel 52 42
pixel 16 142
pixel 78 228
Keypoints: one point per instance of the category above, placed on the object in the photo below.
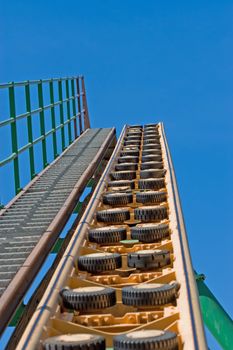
pixel 42 123
pixel 84 99
pixel 61 114
pixel 74 108
pixel 79 106
pixel 53 119
pixel 30 132
pixel 68 110
pixel 14 141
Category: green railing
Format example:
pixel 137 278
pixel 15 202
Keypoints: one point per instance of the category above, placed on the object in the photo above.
pixel 66 108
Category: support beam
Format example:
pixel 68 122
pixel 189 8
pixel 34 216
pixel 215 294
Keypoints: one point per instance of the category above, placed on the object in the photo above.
pixel 215 317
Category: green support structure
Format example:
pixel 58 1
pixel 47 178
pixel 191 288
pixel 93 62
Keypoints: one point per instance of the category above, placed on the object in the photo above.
pixel 68 110
pixel 53 119
pixel 14 140
pixel 42 124
pixel 61 115
pixel 30 132
pixel 215 317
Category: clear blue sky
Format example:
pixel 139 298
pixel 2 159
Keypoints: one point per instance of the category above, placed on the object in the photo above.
pixel 147 61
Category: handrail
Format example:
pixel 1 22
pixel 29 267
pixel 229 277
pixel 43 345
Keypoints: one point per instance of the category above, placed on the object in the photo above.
pixel 72 111
pixel 25 82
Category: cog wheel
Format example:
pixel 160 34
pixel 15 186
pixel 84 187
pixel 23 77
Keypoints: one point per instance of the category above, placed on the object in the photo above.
pixel 136 126
pixel 151 125
pixel 151 165
pixel 151 213
pixel 126 166
pixel 122 183
pixel 129 152
pixel 150 233
pixel 136 132
pixel 152 173
pixel 155 145
pixel 88 298
pixel 152 158
pixel 99 262
pixel 146 340
pixel 149 294
pixel 133 137
pixel 107 235
pixel 77 341
pixel 151 197
pixel 151 184
pixel 149 259
pixel 150 152
pixel 114 216
pixel 151 132
pixel 132 142
pixel 123 175
pixel 150 139
pixel 128 159
pixel 117 198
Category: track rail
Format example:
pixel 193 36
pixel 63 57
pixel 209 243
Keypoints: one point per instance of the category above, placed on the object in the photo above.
pixel 171 307
pixel 189 283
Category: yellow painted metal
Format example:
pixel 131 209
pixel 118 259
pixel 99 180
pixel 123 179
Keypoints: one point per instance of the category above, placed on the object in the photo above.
pixel 181 316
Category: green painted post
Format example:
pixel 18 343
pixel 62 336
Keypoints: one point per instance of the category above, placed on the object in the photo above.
pixel 68 110
pixel 30 132
pixel 215 317
pixel 61 114
pixel 14 141
pixel 74 108
pixel 53 119
pixel 42 123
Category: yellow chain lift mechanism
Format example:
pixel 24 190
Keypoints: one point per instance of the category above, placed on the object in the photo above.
pixel 126 279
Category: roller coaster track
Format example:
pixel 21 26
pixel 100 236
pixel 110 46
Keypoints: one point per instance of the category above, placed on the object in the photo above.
pixel 127 267
pixel 123 277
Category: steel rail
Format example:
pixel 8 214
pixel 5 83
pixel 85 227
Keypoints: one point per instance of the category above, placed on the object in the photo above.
pixel 24 276
pixel 31 336
pixel 189 278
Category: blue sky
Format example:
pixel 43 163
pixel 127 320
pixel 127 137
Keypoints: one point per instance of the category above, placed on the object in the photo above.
pixel 147 61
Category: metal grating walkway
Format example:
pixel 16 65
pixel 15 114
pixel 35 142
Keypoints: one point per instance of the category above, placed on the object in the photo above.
pixel 25 221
